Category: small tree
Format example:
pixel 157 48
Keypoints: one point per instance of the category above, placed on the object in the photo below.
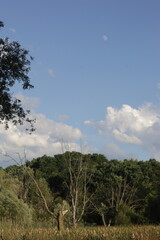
pixel 61 207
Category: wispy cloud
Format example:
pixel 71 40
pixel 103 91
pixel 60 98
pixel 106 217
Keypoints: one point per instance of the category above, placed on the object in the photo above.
pixel 105 37
pixel 51 72
pixel 13 30
pixel 63 117
pixel 89 122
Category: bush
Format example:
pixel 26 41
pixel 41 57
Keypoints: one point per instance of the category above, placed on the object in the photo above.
pixel 13 208
pixel 126 216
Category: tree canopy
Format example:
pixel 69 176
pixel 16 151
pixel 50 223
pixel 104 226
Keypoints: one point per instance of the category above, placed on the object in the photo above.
pixel 91 188
pixel 15 64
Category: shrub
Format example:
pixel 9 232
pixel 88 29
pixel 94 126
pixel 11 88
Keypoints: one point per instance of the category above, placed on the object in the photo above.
pixel 13 208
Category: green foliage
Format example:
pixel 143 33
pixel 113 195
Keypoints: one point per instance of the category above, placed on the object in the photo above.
pixel 14 67
pixel 122 218
pixel 35 200
pixel 117 192
pixel 62 206
pixel 8 182
pixel 152 210
pixel 13 208
pixel 128 182
pixel 127 215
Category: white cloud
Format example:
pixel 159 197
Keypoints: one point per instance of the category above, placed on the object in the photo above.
pixel 28 102
pixel 125 138
pixel 130 119
pixel 51 72
pixel 129 125
pixel 47 139
pixel 88 122
pixel 105 37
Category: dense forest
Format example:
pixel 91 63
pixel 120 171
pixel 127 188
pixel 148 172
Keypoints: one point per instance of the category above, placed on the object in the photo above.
pixel 73 189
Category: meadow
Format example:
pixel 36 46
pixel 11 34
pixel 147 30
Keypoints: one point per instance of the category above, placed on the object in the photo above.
pixel 86 233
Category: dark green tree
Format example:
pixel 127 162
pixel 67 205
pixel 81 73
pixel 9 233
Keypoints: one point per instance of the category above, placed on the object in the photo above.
pixel 117 194
pixel 15 64
pixel 151 189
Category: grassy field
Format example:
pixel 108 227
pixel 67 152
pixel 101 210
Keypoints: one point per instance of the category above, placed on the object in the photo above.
pixel 86 233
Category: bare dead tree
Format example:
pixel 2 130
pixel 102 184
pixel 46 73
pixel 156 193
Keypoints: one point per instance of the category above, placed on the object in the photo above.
pixel 78 184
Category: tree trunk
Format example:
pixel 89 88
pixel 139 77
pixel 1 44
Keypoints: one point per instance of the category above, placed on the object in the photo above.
pixel 109 224
pixel 103 220
pixel 60 221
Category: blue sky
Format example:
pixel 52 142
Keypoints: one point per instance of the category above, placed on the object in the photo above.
pixel 96 73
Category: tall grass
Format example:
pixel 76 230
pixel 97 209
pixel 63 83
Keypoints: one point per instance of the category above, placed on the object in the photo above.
pixel 14 232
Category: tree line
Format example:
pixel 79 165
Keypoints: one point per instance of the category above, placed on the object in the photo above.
pixel 73 188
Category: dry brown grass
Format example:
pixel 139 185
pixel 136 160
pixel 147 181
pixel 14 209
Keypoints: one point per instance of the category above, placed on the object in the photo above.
pixel 86 233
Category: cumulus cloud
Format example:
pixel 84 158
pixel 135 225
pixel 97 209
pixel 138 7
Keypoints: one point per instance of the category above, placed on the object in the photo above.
pixel 50 137
pixel 47 139
pixel 123 137
pixel 129 125
pixel 130 122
